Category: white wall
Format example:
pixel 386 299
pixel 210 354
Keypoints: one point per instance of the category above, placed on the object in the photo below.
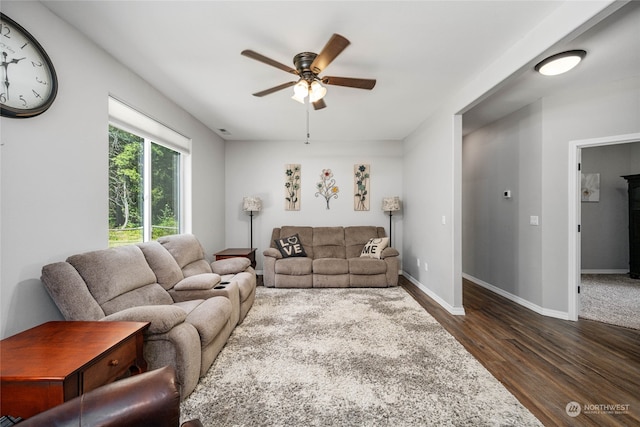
pixel 257 169
pixel 54 167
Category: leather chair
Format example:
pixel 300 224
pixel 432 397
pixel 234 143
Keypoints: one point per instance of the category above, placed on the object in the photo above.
pixel 150 399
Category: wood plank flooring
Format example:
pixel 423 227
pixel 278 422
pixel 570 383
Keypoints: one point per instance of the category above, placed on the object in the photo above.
pixel 548 363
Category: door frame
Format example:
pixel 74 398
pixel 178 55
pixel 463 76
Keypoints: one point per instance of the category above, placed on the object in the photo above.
pixel 575 204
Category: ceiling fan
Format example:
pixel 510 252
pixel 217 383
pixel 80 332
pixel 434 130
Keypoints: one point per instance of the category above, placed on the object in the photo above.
pixel 307 66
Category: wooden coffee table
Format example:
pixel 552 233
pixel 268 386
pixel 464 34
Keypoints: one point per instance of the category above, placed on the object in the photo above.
pixel 57 361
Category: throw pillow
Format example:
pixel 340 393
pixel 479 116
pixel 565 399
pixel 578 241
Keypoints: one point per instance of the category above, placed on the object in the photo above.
pixel 290 247
pixel 374 247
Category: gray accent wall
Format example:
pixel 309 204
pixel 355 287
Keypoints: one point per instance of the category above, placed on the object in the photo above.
pixel 605 232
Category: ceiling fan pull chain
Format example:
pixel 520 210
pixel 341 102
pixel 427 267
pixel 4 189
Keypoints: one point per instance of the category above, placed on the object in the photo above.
pixel 308 122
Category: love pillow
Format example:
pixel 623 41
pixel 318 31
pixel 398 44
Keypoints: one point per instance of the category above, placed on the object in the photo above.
pixel 290 247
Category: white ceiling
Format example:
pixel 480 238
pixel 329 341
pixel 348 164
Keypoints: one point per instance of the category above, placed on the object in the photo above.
pixel 419 52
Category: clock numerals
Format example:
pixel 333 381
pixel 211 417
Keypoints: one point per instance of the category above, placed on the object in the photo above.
pixel 5 31
pixel 28 82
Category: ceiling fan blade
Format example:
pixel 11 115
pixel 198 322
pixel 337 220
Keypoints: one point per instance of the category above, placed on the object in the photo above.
pixel 319 104
pixel 350 82
pixel 274 89
pixel 330 51
pixel 258 57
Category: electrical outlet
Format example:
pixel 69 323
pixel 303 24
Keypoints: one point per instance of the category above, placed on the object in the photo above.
pixel 418 262
pixel 426 266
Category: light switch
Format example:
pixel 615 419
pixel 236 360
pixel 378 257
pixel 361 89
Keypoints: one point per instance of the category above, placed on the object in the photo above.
pixel 533 220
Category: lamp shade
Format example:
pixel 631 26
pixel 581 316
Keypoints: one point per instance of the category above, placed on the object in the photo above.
pixel 391 204
pixel 251 204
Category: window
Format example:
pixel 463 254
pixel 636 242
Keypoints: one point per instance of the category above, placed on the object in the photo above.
pixel 147 178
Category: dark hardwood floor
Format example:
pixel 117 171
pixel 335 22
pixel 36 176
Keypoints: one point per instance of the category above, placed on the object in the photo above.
pixel 548 363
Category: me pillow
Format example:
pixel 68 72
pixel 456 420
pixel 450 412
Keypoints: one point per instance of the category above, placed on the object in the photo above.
pixel 290 247
pixel 374 247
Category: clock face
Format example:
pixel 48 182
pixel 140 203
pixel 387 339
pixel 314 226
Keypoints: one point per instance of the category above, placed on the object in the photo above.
pixel 28 83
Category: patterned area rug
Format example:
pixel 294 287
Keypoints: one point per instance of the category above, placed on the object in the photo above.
pixel 610 298
pixel 348 357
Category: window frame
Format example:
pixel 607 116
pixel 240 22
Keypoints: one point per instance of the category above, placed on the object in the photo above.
pixel 150 130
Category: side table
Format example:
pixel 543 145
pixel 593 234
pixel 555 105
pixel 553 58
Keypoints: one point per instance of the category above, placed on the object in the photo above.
pixel 54 362
pixel 238 253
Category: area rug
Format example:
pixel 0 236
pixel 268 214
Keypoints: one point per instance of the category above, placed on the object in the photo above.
pixel 610 298
pixel 348 357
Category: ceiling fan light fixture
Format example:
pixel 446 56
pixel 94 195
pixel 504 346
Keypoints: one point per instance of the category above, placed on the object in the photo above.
pixel 560 63
pixel 300 91
pixel 317 91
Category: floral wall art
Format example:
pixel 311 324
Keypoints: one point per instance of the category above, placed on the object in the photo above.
pixel 327 187
pixel 361 175
pixel 292 187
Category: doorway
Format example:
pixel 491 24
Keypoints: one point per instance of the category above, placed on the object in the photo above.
pixel 575 215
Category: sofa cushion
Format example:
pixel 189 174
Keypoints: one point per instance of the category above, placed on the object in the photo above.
pixel 152 294
pixel 290 246
pixel 198 282
pixel 109 273
pixel 163 264
pixel 230 265
pixel 70 292
pixel 294 266
pixel 366 266
pixel 162 318
pixel 374 247
pixel 328 236
pixel 185 249
pixel 357 236
pixel 200 266
pixel 331 266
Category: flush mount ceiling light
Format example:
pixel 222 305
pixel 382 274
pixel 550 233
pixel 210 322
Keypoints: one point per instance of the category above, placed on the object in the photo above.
pixel 560 63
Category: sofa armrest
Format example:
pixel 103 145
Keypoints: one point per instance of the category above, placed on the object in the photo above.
pixel 199 282
pixel 230 265
pixel 272 252
pixel 389 252
pixel 162 318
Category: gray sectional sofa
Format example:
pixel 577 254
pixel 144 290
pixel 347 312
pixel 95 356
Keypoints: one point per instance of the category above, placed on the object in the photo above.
pixel 192 305
pixel 315 257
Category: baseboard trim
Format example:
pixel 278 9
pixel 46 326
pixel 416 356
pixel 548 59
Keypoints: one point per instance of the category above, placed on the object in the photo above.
pixel 456 311
pixel 518 300
pixel 605 271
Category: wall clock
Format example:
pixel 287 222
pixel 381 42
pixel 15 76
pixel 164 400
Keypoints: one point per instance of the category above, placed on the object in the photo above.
pixel 29 82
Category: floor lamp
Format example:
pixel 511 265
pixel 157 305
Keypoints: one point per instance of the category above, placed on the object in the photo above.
pixel 391 205
pixel 251 205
